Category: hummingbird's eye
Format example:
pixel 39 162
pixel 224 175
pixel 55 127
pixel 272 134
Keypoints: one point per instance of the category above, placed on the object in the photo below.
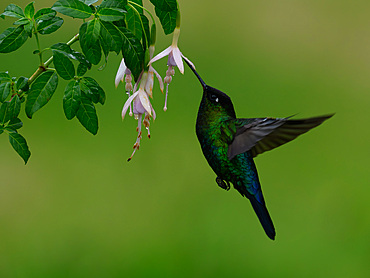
pixel 213 98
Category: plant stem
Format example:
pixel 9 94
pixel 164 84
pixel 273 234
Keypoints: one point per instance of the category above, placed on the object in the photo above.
pixel 136 4
pixel 43 66
pixel 38 43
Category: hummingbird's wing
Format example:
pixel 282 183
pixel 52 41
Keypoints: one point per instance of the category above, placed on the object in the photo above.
pixel 259 135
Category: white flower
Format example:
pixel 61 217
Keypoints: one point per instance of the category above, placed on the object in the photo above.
pixel 140 100
pixel 174 59
pixel 141 107
pixel 150 82
pixel 173 52
pixel 120 76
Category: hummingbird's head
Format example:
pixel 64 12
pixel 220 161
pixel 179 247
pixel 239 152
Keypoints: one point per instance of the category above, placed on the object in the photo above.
pixel 216 101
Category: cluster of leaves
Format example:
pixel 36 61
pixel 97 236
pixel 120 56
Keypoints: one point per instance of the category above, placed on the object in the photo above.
pixel 43 22
pixel 9 111
pixel 119 26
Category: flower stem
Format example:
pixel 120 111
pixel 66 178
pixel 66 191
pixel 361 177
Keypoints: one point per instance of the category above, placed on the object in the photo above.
pixel 165 102
pixel 178 18
pixel 136 4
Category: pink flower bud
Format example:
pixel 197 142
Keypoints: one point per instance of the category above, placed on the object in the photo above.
pixel 168 79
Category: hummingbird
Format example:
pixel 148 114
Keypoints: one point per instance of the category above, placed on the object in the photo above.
pixel 230 144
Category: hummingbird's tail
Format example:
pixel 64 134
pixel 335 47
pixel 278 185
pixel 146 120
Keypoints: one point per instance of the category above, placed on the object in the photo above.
pixel 260 209
pixel 264 217
pixel 204 85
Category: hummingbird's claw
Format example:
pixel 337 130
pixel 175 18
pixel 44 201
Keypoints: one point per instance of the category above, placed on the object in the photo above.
pixel 223 184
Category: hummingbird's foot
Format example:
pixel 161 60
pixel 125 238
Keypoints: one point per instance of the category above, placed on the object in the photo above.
pixel 223 184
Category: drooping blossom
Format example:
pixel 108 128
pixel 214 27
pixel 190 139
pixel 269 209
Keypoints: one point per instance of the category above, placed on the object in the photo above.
pixel 142 108
pixel 124 73
pixel 174 59
pixel 151 73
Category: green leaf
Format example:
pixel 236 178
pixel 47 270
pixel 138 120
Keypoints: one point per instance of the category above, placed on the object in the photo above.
pixel 105 47
pixel 62 47
pixel 133 21
pixel 29 10
pixel 22 84
pixel 45 27
pixel 19 145
pixel 168 20
pixel 63 65
pixel 132 51
pixel 113 4
pixel 4 91
pixel 45 14
pixel 42 89
pixel 111 36
pixel 110 14
pixel 86 114
pixel 14 124
pixel 13 10
pixel 120 23
pixel 89 40
pixel 145 22
pixel 14 107
pixel 4 113
pixel 140 2
pixel 28 28
pixel 68 51
pixel 22 21
pixel 165 5
pixel 71 99
pixel 88 93
pixel 80 58
pixel 73 8
pixel 81 69
pixel 12 39
pixel 4 76
pixel 89 2
pixel 92 90
pixel 10 110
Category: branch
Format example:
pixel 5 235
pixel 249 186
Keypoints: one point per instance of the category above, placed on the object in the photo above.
pixel 41 69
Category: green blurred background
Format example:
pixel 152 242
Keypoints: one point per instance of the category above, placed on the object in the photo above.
pixel 78 209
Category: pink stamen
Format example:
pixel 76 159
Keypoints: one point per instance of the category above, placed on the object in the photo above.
pixel 165 102
pixel 128 93
pixel 137 143
pixel 148 132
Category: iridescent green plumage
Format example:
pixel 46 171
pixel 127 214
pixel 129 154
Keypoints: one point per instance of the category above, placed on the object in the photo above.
pixel 229 145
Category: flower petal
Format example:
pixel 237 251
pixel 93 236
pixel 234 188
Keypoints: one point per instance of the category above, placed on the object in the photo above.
pixel 154 115
pixel 120 73
pixel 138 108
pixel 161 85
pixel 138 81
pixel 188 60
pixel 145 101
pixel 177 56
pixel 149 82
pixel 171 61
pixel 127 104
pixel 164 53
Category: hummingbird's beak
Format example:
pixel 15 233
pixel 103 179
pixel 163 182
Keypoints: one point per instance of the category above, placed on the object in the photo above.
pixel 204 85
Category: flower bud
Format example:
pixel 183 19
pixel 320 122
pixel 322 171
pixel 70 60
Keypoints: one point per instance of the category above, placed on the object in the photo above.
pixel 128 87
pixel 168 79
